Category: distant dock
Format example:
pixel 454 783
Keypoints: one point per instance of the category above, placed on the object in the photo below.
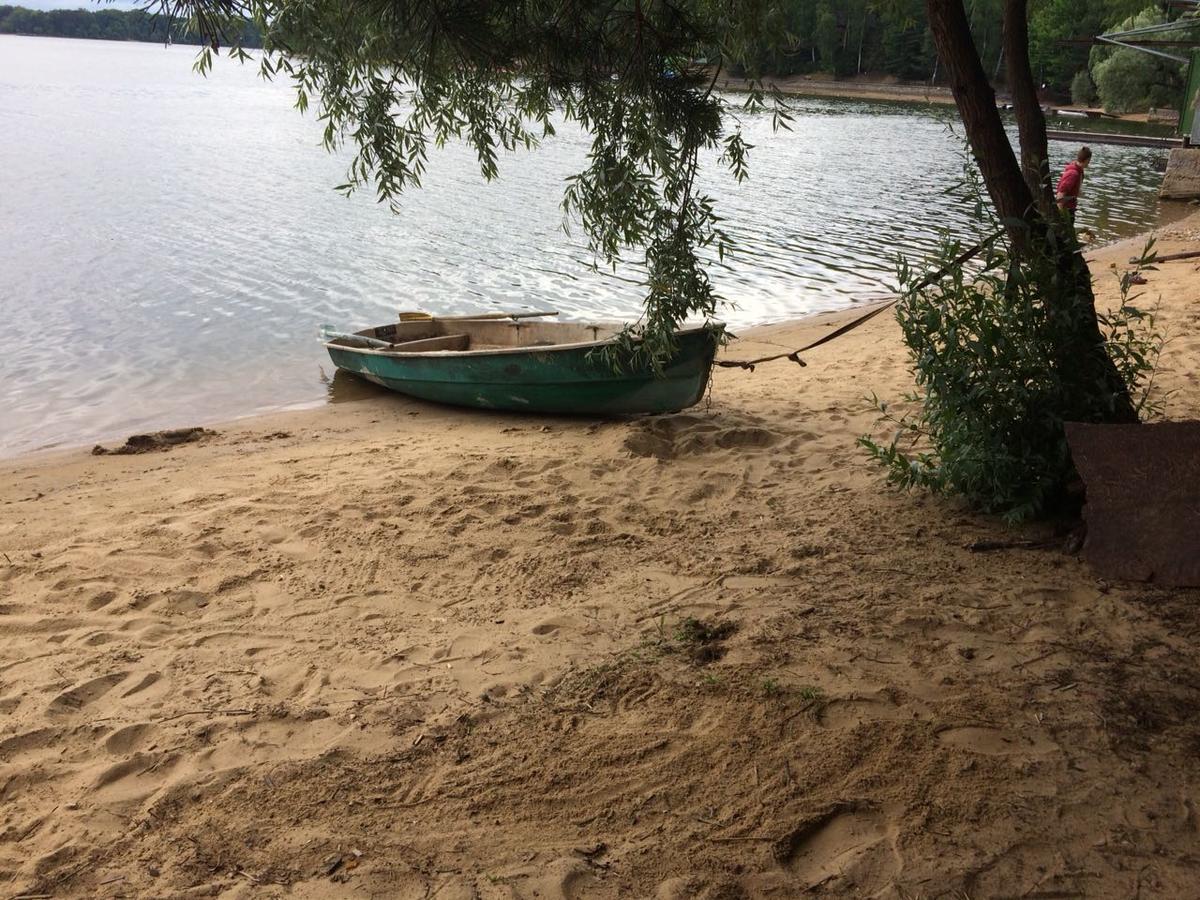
pixel 1102 137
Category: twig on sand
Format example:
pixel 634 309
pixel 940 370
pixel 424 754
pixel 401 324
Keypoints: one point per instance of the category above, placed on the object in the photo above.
pixel 244 874
pixel 1169 257
pixel 37 823
pixel 731 840
pixel 978 721
pixel 1030 662
pixel 209 712
pixel 786 719
pixel 988 546
pixel 875 659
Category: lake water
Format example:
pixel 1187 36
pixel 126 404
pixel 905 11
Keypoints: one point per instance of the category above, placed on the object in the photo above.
pixel 169 244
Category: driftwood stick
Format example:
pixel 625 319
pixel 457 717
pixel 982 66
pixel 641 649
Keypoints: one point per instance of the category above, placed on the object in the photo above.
pixel 989 546
pixel 209 712
pixel 1169 257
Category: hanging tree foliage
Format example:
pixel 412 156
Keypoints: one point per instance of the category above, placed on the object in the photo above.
pixel 392 79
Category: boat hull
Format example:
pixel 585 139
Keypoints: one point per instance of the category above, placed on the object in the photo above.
pixel 572 380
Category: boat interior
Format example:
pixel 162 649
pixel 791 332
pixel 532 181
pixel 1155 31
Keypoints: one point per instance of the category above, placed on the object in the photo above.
pixel 459 334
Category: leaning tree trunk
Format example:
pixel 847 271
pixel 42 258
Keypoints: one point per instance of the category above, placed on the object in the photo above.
pixel 1039 234
pixel 976 103
pixel 1031 124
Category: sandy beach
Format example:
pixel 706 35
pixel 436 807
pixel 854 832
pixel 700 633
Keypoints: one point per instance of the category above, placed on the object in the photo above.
pixel 388 649
pixel 822 85
pixel 894 90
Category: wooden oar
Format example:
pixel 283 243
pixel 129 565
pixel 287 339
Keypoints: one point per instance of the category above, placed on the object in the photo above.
pixel 354 340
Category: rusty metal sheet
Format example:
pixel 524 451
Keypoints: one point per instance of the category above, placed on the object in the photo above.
pixel 1143 499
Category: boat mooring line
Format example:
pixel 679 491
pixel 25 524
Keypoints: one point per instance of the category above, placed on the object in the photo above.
pixel 794 355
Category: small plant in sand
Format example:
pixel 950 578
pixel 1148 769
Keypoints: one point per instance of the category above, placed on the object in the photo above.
pixel 692 631
pixel 998 373
pixel 703 641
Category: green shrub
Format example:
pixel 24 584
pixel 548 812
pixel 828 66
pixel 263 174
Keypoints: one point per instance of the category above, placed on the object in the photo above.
pixel 1083 89
pixel 1129 80
pixel 993 387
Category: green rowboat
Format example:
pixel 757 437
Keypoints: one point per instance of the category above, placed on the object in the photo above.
pixel 514 363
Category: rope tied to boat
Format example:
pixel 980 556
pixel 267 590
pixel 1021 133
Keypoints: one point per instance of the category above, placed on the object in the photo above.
pixel 794 355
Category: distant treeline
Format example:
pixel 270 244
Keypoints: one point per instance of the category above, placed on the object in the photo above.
pixel 839 37
pixel 105 25
pixel 868 37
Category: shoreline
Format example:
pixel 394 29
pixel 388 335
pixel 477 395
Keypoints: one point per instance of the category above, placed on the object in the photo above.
pixel 808 86
pixel 323 413
pixel 911 92
pixel 384 647
pixel 319 409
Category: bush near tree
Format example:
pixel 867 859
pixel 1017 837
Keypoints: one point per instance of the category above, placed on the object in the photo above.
pixel 1005 353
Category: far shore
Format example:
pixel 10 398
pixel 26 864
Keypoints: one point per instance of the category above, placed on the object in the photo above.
pixel 825 86
pixel 910 92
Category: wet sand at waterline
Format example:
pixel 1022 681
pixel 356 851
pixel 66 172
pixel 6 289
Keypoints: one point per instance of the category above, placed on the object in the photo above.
pixel 389 649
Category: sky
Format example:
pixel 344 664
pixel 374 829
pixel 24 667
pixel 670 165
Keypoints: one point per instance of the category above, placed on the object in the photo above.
pixel 76 4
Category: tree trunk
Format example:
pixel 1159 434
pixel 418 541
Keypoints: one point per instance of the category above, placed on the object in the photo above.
pixel 1039 235
pixel 862 36
pixel 1031 123
pixel 976 103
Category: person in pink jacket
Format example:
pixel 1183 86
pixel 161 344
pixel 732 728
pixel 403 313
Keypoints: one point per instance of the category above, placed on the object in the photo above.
pixel 1071 182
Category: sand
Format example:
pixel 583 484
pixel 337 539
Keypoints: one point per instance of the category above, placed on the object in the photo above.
pixel 821 85
pixel 388 649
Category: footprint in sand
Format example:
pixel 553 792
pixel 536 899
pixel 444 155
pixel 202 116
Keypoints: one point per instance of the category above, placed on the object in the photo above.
pixel 183 601
pixel 674 436
pixel 843 841
pixel 746 437
pixel 127 739
pixel 101 600
pixel 149 679
pixel 854 711
pixel 56 858
pixel 995 741
pixel 81 695
pixel 701 492
pixel 14 746
pixel 133 770
pixel 550 626
pixel 561 879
